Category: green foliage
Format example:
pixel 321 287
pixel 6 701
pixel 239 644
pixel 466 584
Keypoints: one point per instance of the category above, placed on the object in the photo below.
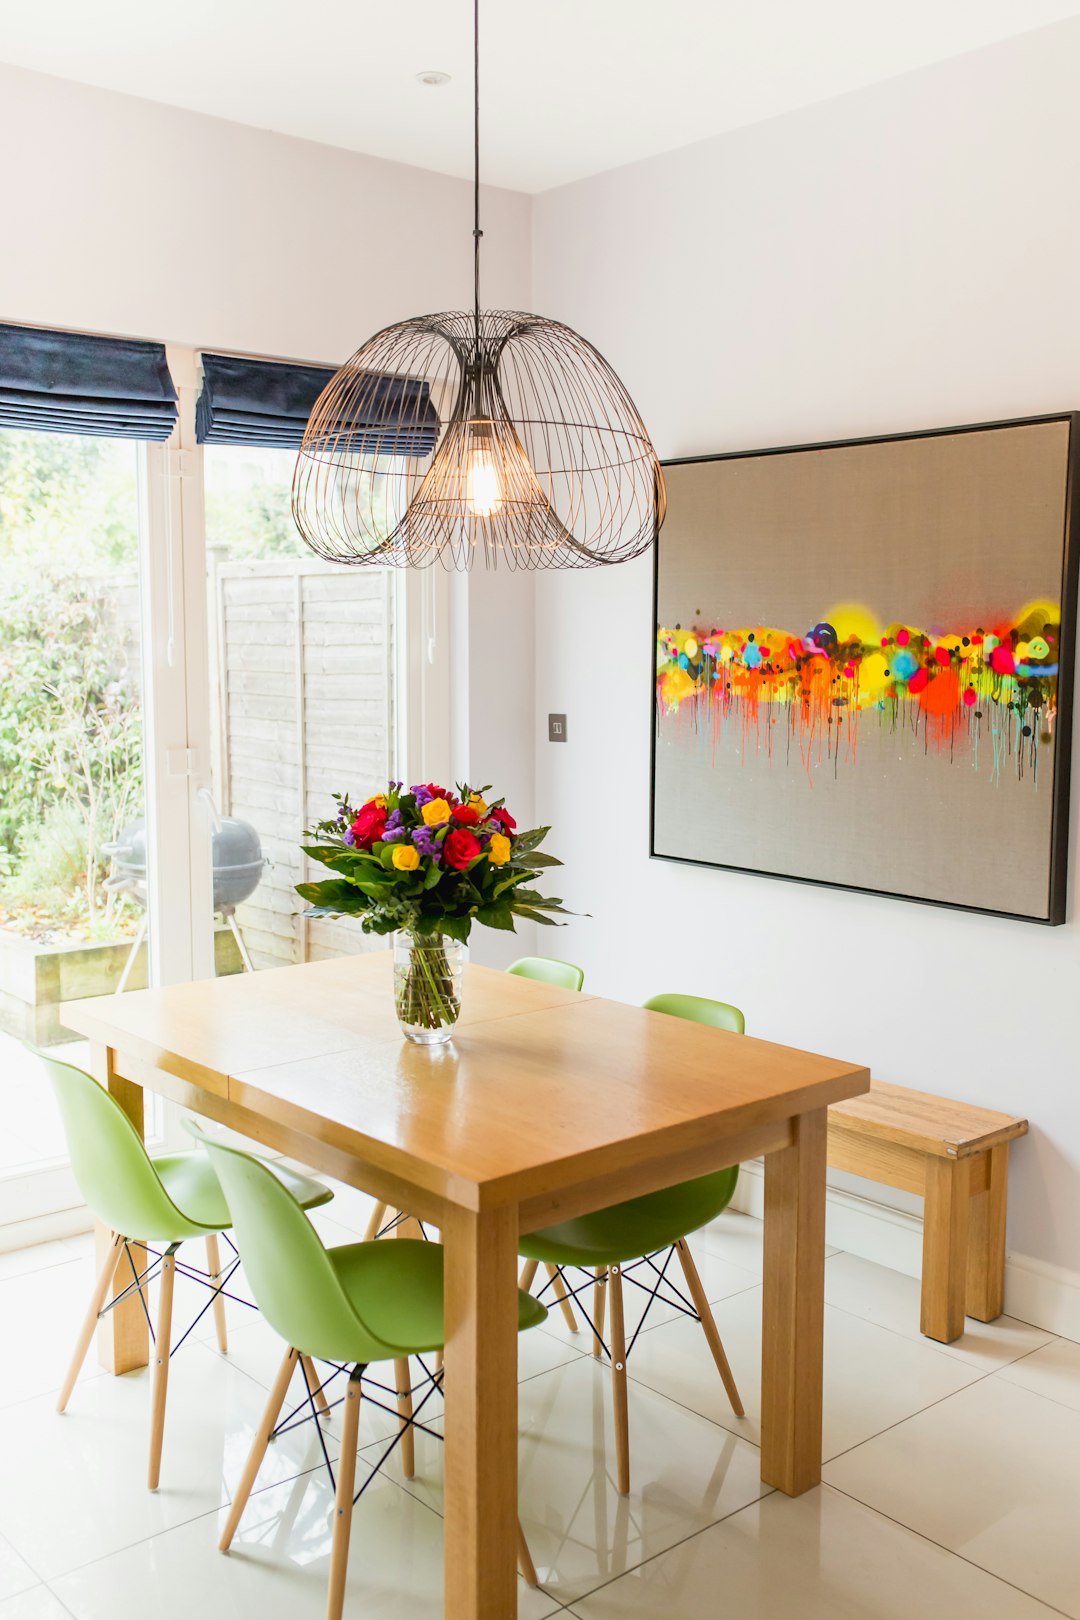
pixel 70 744
pixel 66 501
pixel 70 731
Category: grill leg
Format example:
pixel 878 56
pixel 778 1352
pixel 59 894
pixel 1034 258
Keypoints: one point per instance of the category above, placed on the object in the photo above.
pixel 230 918
pixel 132 954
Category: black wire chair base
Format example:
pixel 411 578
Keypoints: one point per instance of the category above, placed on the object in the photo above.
pixel 659 1287
pixel 312 1412
pixel 141 1280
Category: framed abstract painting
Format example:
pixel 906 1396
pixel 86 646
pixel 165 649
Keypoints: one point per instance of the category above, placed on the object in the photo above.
pixel 864 664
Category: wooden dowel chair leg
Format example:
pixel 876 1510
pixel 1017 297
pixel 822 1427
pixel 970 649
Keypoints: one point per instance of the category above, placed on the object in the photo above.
pixel 708 1323
pixel 524 1559
pixel 618 1382
pixel 599 1295
pixel 528 1274
pixel 213 1266
pixel 403 1385
pixel 378 1217
pixel 113 1256
pixel 258 1447
pixel 558 1288
pixel 162 1349
pixel 322 1405
pixel 343 1503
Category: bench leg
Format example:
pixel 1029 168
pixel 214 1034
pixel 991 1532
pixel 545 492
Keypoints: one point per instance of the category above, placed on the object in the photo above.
pixel 945 1242
pixel 986 1240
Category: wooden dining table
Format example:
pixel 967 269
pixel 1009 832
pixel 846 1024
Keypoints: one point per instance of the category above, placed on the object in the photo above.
pixel 546 1104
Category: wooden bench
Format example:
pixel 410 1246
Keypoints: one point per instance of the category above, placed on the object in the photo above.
pixel 957 1157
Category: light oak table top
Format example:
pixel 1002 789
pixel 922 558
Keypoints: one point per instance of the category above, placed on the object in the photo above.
pixel 546 1104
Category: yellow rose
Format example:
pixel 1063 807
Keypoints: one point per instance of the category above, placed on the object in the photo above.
pixel 478 803
pixel 379 801
pixel 435 812
pixel 406 858
pixel 499 849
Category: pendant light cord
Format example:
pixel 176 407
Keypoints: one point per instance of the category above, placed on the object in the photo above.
pixel 477 232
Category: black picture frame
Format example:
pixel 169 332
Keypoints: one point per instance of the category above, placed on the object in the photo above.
pixel 1057 899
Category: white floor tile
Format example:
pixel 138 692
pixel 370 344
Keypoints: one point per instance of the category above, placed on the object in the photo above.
pixel 685 1473
pixel 818 1557
pixel 993 1474
pixel 37 1604
pixel 736 1238
pixel 15 1573
pixel 279 1563
pixel 873 1378
pixel 46 1308
pixel 1053 1371
pixel 73 1488
pixel 891 1299
pixel 38 1257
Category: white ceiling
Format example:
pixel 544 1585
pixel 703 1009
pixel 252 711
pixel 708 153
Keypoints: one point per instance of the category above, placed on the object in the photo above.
pixel 569 87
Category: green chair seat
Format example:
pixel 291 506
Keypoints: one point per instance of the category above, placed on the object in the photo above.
pixel 607 1237
pixel 195 1193
pixel 398 1286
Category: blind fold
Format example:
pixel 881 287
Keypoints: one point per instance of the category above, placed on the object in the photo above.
pixel 268 402
pixel 73 382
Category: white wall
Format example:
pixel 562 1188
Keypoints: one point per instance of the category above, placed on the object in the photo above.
pixel 123 215
pixel 900 258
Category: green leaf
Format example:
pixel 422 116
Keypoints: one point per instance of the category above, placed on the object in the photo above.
pixel 456 927
pixel 334 892
pixel 499 915
pixel 537 858
pixel 536 916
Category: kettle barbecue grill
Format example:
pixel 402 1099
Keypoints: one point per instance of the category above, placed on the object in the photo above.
pixel 239 864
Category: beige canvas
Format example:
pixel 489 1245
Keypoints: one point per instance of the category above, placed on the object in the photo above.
pixel 902 755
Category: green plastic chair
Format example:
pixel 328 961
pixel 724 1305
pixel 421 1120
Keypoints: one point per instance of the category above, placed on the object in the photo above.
pixel 605 1240
pixel 548 970
pixel 356 1304
pixel 144 1201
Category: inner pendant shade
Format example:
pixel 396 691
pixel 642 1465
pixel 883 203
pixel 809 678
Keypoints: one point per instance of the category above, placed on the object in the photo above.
pixel 542 460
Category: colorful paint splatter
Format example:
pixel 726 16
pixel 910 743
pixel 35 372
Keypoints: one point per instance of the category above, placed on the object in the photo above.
pixel 985 692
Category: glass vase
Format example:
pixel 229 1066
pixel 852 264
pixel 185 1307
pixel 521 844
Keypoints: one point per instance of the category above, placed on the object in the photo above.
pixel 427 986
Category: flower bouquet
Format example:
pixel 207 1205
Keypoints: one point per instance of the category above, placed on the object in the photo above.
pixel 423 864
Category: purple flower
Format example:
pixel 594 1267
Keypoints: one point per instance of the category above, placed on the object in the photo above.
pixel 393 835
pixel 421 794
pixel 348 838
pixel 426 842
pixel 394 819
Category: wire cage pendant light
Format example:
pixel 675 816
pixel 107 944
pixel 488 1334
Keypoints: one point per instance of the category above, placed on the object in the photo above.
pixel 488 436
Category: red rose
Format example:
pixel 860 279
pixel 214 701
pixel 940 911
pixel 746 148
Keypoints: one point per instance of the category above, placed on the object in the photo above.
pixel 460 847
pixel 465 815
pixel 439 792
pixel 504 818
pixel 367 829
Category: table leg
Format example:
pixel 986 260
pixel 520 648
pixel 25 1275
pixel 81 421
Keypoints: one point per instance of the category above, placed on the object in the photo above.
pixel 123 1341
pixel 481 1413
pixel 986 1240
pixel 793 1308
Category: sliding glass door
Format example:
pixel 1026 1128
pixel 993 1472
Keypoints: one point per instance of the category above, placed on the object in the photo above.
pixel 74 878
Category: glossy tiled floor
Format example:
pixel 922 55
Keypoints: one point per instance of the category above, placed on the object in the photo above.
pixel 952 1474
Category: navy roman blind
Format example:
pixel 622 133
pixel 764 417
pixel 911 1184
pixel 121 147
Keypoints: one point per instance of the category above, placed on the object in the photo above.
pixel 268 402
pixel 73 382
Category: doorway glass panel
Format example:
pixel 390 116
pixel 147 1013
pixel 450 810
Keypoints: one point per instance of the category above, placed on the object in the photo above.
pixel 73 890
pixel 302 697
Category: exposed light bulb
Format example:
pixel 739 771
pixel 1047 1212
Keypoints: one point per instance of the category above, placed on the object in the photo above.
pixel 483 487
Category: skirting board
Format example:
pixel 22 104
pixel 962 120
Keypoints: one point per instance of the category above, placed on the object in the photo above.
pixel 1046 1296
